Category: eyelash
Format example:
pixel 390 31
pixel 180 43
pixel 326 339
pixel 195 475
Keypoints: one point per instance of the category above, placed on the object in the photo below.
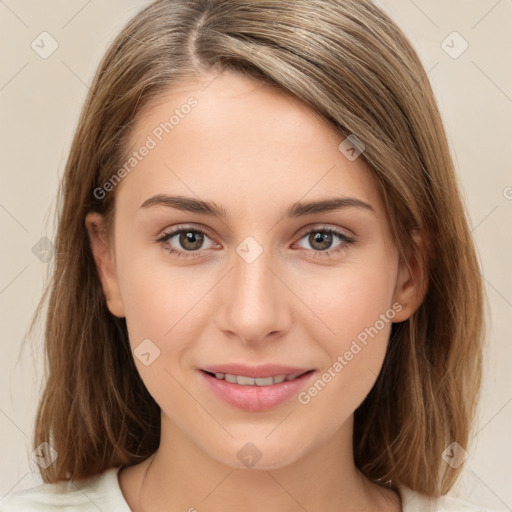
pixel 346 241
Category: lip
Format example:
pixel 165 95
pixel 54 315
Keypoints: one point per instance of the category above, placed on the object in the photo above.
pixel 256 398
pixel 262 371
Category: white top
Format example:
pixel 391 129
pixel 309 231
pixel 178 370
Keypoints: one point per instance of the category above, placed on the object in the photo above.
pixel 102 492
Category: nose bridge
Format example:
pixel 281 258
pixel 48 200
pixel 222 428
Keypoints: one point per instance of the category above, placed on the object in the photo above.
pixel 254 305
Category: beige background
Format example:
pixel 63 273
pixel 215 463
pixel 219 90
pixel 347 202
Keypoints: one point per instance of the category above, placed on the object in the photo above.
pixel 39 105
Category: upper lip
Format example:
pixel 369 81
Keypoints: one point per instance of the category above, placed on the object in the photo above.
pixel 267 370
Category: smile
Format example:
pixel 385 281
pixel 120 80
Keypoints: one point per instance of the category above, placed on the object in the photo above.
pixel 243 380
pixel 255 394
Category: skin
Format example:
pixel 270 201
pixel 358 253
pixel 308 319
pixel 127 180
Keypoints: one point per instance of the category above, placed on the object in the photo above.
pixel 254 151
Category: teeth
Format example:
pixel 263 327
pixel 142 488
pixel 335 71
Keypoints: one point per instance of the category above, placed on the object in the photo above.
pixel 250 381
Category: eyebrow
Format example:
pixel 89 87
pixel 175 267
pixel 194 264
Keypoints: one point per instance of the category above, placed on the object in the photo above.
pixel 298 209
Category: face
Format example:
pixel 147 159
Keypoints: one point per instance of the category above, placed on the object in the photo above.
pixel 268 282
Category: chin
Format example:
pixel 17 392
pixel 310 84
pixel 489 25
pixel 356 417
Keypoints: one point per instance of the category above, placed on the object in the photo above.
pixel 263 455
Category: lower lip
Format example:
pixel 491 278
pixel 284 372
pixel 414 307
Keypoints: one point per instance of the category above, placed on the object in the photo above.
pixel 256 398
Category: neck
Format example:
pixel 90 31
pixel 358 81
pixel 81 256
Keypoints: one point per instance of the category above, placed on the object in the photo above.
pixel 181 476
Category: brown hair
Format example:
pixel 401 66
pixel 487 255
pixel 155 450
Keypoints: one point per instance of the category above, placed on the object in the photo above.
pixel 353 65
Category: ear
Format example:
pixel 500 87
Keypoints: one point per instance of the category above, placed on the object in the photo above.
pixel 412 281
pixel 104 257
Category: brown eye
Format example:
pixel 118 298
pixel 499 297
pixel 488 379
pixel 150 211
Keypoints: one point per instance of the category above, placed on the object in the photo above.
pixel 321 241
pixel 191 240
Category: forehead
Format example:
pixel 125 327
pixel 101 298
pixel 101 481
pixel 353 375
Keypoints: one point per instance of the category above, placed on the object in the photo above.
pixel 239 141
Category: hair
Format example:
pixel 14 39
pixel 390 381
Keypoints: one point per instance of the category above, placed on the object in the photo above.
pixel 349 62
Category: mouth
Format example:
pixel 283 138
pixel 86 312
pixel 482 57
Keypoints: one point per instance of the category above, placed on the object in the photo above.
pixel 256 393
pixel 244 380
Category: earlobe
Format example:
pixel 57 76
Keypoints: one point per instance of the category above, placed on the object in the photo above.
pixel 412 281
pixel 105 265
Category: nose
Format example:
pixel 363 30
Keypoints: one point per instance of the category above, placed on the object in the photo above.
pixel 254 300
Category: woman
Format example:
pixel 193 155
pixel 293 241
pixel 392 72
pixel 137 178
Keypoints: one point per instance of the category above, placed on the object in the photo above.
pixel 265 292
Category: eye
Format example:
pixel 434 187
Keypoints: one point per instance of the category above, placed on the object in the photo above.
pixel 322 238
pixel 190 241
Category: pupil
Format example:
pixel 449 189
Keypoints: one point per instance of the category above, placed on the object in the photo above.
pixel 324 240
pixel 188 236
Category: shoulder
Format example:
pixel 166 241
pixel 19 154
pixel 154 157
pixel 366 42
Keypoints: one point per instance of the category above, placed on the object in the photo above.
pixel 417 502
pixel 99 492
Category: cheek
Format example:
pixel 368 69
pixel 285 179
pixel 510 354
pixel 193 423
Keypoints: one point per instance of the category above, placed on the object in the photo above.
pixel 156 295
pixel 167 305
pixel 352 321
pixel 346 300
pixel 161 322
pixel 354 358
